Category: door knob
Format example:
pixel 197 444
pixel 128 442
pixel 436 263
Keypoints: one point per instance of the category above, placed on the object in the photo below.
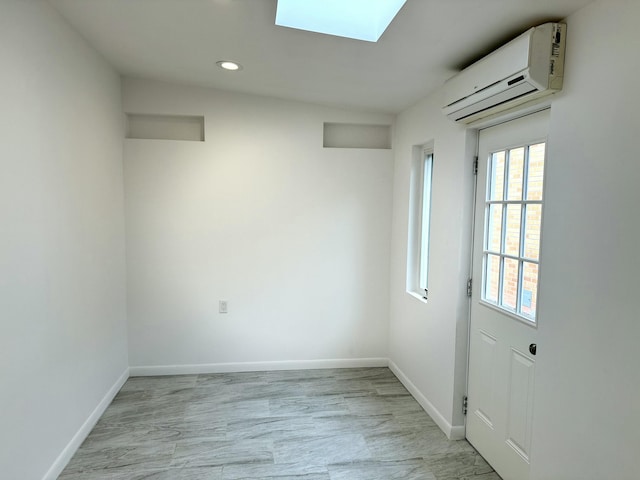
pixel 532 348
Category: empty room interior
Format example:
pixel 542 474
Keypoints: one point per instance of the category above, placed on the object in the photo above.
pixel 344 258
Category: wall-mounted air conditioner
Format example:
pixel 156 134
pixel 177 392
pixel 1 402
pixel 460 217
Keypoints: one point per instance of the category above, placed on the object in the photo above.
pixel 528 67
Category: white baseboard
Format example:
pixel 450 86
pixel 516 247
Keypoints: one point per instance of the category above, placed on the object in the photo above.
pixel 452 432
pixel 143 371
pixel 458 432
pixel 68 452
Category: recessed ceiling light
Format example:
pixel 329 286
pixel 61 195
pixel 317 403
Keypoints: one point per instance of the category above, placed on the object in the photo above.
pixel 360 19
pixel 227 65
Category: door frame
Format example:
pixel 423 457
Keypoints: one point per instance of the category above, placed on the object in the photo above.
pixel 476 127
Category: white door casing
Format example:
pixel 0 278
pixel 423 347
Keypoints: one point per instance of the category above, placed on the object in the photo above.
pixel 501 365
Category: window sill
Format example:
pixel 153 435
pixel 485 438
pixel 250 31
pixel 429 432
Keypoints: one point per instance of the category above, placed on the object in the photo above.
pixel 418 296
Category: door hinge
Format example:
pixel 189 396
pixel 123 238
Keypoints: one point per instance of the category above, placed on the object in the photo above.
pixel 475 165
pixel 469 287
pixel 465 404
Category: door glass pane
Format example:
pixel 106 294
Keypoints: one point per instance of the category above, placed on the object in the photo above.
pixel 513 222
pixel 536 171
pixel 532 231
pixel 516 172
pixel 512 236
pixel 492 276
pixel 529 289
pixel 510 283
pixel 494 228
pixel 496 183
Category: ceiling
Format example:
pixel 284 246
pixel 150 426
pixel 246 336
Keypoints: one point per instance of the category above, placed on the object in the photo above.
pixel 180 41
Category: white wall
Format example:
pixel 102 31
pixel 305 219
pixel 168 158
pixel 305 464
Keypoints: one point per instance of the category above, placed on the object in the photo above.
pixel 62 287
pixel 587 407
pixel 586 411
pixel 295 237
pixel 428 340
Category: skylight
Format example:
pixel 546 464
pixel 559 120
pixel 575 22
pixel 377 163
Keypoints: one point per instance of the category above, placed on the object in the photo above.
pixel 360 19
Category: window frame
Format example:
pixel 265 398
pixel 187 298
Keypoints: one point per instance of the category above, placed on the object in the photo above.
pixel 420 213
pixel 425 221
pixel 501 254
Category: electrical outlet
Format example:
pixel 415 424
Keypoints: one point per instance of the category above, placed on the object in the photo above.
pixel 222 306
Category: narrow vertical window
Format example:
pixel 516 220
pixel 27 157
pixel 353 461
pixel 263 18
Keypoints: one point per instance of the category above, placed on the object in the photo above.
pixel 427 169
pixel 420 222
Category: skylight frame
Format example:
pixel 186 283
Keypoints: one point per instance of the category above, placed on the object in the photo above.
pixel 364 20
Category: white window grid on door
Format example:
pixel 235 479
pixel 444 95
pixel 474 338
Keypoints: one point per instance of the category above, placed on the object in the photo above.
pixel 505 204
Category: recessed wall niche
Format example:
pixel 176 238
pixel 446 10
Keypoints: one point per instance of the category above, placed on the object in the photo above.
pixel 165 127
pixel 355 135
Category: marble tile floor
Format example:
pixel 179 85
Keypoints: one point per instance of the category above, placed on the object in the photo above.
pixel 339 424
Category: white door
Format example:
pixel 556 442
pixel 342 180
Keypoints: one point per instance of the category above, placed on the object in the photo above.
pixel 511 159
